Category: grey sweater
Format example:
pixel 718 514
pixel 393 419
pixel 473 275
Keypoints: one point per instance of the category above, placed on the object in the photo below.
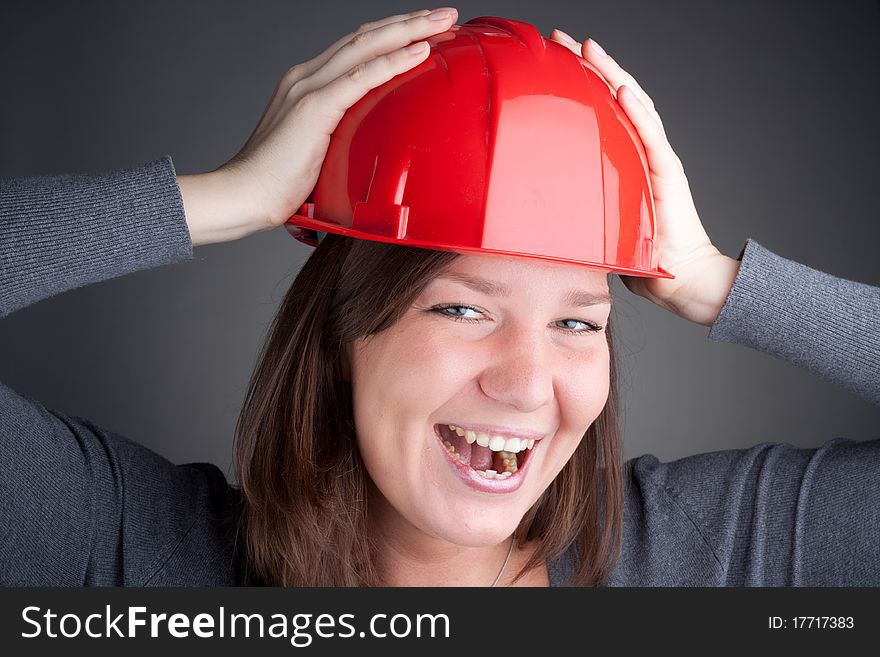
pixel 80 505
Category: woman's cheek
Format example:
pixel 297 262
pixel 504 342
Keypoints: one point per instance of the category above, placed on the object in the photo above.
pixel 442 346
pixel 582 386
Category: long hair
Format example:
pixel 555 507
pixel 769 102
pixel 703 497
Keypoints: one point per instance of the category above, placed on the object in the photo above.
pixel 304 515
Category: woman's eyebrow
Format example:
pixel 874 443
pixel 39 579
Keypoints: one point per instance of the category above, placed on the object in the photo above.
pixel 577 298
pixel 581 298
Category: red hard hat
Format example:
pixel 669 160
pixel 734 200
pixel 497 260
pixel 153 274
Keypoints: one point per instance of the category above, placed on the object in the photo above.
pixel 499 142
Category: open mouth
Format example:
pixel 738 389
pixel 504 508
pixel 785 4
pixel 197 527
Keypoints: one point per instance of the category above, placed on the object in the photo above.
pixel 491 457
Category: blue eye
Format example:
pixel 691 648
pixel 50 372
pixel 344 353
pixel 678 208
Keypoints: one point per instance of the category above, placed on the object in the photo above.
pixel 458 313
pixel 455 315
pixel 589 326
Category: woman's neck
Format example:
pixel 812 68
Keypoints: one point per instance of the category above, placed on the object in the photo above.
pixel 405 560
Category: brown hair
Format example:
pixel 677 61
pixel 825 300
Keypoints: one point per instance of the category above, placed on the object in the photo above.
pixel 304 486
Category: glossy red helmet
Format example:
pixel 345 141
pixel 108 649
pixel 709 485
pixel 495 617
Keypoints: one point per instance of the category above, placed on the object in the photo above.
pixel 500 142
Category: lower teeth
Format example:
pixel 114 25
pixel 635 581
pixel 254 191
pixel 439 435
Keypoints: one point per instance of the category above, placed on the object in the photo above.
pixel 491 474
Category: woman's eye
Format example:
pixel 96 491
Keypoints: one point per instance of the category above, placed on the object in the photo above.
pixel 470 314
pixel 578 326
pixel 458 312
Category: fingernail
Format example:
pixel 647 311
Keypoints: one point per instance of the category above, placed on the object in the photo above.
pixel 596 47
pixel 568 36
pixel 417 48
pixel 441 14
pixel 628 95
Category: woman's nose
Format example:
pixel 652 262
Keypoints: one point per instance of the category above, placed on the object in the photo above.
pixel 519 375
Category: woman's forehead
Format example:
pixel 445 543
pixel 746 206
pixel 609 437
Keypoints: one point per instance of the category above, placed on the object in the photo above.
pixel 511 273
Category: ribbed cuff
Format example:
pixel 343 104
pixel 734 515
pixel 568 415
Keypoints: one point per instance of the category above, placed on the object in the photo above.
pixel 822 323
pixel 61 232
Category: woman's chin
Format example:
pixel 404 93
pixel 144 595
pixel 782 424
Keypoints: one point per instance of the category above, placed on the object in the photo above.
pixel 455 513
pixel 473 533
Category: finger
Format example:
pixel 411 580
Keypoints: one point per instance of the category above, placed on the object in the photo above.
pixel 375 43
pixel 304 69
pixel 570 41
pixel 662 160
pixel 309 67
pixel 564 39
pixel 285 95
pixel 329 103
pixel 609 68
pixel 615 75
pixel 615 82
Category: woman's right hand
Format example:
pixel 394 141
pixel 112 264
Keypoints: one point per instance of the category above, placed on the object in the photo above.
pixel 275 171
pixel 703 275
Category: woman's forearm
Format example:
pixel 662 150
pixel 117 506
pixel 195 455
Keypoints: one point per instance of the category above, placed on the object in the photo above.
pixel 822 323
pixel 61 232
pixel 714 285
pixel 218 208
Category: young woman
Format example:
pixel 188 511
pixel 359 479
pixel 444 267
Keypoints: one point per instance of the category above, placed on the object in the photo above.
pixel 368 447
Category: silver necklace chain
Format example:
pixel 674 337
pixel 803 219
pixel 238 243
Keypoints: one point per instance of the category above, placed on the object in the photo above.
pixel 504 565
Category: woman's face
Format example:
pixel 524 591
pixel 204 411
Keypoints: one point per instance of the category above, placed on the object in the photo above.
pixel 505 350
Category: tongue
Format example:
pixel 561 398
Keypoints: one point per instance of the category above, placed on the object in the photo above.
pixel 479 458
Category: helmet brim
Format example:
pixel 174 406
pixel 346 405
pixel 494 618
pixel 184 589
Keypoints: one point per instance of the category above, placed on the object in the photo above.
pixel 304 228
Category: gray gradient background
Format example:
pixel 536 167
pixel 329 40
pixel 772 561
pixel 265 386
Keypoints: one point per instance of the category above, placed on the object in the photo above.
pixel 772 107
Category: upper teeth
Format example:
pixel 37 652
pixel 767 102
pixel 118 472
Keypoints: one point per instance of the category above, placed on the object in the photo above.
pixel 493 442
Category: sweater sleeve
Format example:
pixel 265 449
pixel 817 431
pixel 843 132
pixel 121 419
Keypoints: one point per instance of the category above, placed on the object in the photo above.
pixel 770 515
pixel 58 233
pixel 80 505
pixel 827 325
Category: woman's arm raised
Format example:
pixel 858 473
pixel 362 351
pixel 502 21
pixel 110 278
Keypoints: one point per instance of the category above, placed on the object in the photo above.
pixel 61 232
pixel 824 324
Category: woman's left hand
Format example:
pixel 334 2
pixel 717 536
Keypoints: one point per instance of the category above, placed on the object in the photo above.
pixel 703 275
